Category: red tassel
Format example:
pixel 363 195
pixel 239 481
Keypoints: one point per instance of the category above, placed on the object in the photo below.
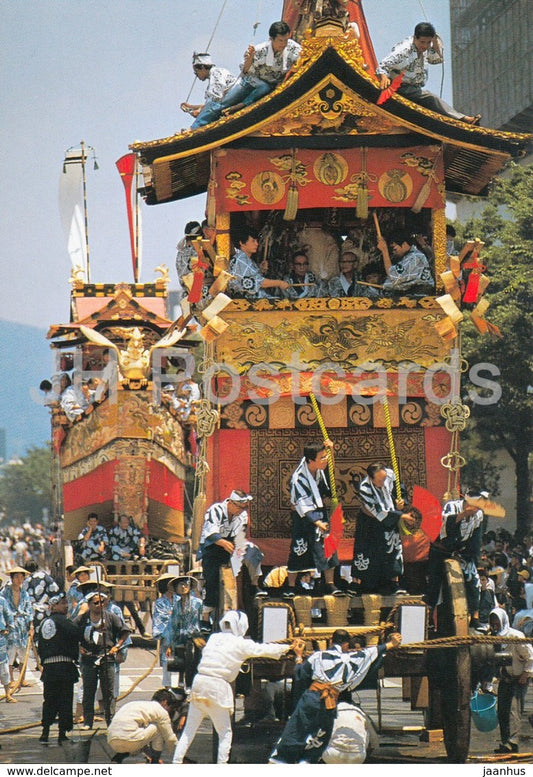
pixel 336 521
pixel 389 91
pixel 195 294
pixel 472 287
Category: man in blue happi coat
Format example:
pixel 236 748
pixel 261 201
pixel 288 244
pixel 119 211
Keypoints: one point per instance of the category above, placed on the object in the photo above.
pixel 324 675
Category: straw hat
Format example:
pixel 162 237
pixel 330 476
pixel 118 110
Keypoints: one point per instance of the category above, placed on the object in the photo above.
pixel 81 569
pixel 14 570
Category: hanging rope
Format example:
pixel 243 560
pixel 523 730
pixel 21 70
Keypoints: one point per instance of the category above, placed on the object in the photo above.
pixel 257 16
pixel 392 449
pixel 331 466
pixel 208 45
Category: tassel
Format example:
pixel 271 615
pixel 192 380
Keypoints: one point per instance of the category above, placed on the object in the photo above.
pixel 195 293
pixel 198 512
pixel 425 191
pixel 291 208
pixel 389 91
pixel 361 210
pixel 472 287
pixel 422 196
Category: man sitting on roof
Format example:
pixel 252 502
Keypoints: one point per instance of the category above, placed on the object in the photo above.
pixel 411 57
pixel 262 70
pixel 218 80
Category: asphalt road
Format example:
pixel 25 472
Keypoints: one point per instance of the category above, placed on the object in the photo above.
pixel 399 738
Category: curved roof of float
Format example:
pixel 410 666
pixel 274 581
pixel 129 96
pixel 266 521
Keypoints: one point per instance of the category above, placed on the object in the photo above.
pixel 329 101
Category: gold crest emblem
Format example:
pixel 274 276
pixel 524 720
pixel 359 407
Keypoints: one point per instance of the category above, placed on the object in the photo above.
pixel 395 185
pixel 330 169
pixel 267 187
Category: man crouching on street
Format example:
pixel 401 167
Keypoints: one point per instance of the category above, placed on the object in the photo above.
pixel 143 725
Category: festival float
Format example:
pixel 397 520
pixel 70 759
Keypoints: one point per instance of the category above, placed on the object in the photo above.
pixel 327 157
pixel 129 452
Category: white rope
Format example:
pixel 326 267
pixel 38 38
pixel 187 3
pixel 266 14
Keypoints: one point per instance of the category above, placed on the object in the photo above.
pixel 208 45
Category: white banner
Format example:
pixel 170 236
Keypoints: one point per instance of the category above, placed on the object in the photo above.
pixel 71 209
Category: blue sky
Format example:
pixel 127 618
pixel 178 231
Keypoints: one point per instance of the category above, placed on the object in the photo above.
pixel 110 72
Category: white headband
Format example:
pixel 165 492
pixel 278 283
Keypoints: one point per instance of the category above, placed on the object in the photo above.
pixel 236 497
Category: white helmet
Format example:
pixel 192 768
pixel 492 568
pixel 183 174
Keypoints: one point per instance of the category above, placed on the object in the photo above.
pixel 235 622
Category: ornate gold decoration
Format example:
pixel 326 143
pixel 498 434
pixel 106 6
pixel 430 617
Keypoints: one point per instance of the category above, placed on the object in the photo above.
pixel 223 233
pixel 330 168
pixel 135 362
pixel 233 416
pixel 163 269
pixel 411 412
pixel 256 415
pixel 313 338
pixel 456 415
pixel 235 187
pixel 327 107
pixel 346 46
pixel 281 413
pixel 77 277
pixel 439 241
pixel 395 185
pixel 360 415
pixel 295 169
pixel 433 416
pixel 305 415
pixel 267 187
pixel 206 418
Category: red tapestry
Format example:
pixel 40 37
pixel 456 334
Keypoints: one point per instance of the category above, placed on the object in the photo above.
pixel 383 177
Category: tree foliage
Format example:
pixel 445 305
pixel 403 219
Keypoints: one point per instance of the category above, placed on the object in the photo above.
pixel 506 227
pixel 26 487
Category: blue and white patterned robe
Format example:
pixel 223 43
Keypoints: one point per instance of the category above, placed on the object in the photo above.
pixel 307 540
pixel 124 543
pixel 377 554
pixel 309 728
pixel 22 617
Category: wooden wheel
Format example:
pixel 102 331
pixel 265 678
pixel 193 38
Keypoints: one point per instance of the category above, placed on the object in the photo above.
pixel 449 669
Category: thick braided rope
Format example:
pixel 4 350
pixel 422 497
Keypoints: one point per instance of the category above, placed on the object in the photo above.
pixel 331 468
pixel 390 438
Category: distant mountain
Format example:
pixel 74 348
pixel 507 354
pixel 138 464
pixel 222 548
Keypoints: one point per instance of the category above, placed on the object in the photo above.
pixel 25 360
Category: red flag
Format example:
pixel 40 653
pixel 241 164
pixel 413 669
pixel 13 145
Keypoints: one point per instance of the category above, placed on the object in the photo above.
pixel 336 528
pixel 389 91
pixel 127 167
pixel 431 510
